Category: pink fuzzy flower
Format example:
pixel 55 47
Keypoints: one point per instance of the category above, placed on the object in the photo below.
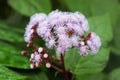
pixel 94 43
pixel 63 31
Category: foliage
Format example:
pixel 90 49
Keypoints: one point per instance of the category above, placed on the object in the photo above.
pixel 103 16
pixel 30 7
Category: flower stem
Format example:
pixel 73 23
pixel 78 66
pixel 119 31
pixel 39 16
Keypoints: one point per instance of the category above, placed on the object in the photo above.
pixel 63 67
pixel 56 68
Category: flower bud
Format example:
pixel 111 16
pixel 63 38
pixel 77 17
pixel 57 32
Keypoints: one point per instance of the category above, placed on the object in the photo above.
pixel 32 66
pixel 40 49
pixel 45 55
pixel 23 52
pixel 48 65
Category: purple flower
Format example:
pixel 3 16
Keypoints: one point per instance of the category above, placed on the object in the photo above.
pixel 33 21
pixel 38 56
pixel 94 43
pixel 63 31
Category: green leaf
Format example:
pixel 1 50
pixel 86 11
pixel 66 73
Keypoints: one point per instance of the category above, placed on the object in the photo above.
pixel 115 46
pixel 32 74
pixel 30 7
pixel 11 56
pixel 10 33
pixel 114 75
pixel 6 74
pixel 92 63
pixel 99 7
pixel 10 49
pixel 95 7
pixel 38 76
pixel 98 76
pixel 80 5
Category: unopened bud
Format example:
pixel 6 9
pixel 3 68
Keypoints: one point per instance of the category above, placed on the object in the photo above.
pixel 40 49
pixel 82 43
pixel 90 35
pixel 48 65
pixel 23 52
pixel 45 55
pixel 32 31
pixel 37 64
pixel 30 59
pixel 29 44
pixel 32 55
pixel 32 66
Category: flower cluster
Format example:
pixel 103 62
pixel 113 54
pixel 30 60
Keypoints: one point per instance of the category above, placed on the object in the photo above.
pixel 30 29
pixel 39 56
pixel 62 31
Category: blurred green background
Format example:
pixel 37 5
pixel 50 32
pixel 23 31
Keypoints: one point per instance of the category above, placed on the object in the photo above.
pixel 104 19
